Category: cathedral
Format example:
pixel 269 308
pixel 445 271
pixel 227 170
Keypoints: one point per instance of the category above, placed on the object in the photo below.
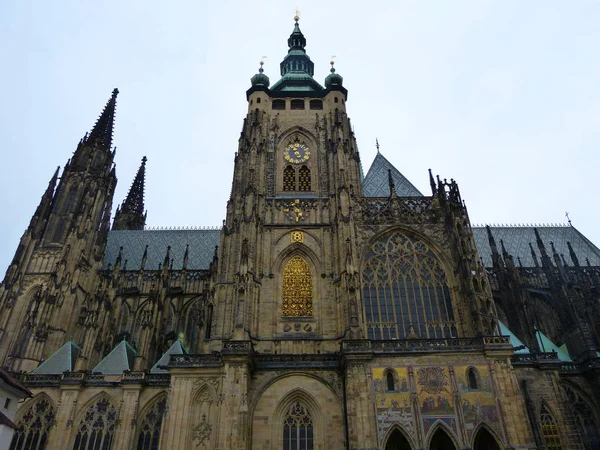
pixel 332 309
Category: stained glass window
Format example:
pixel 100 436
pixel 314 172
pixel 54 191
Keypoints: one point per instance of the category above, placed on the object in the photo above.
pixel 97 427
pixel 289 179
pixel 549 429
pixel 405 291
pixel 34 426
pixel 304 179
pixel 149 433
pixel 298 433
pixel 297 288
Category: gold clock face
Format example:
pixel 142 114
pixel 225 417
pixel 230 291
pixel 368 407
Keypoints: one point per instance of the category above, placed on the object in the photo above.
pixel 296 153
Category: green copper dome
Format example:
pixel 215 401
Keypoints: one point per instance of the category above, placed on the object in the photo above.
pixel 260 78
pixel 333 79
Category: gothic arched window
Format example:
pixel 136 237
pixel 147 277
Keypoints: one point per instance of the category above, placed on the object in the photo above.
pixel 549 429
pixel 97 427
pixel 297 288
pixel 34 426
pixel 390 382
pixel 405 291
pixel 149 433
pixel 289 179
pixel 298 433
pixel 585 419
pixel 472 378
pixel 304 179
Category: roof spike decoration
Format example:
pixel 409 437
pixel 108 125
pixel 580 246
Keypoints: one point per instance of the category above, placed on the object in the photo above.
pixel 391 184
pixel 119 259
pixel 546 261
pixel 432 183
pixel 520 262
pixel 131 216
pixel 564 261
pixel 144 258
pixel 186 256
pixel 534 255
pixel 167 257
pixel 496 260
pixel 555 255
pixel 102 133
pixel 573 255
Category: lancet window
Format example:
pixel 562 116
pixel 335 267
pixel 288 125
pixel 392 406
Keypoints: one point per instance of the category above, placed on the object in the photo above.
pixel 549 429
pixel 97 427
pixel 304 179
pixel 297 288
pixel 149 434
pixel 34 426
pixel 298 432
pixel 289 179
pixel 405 291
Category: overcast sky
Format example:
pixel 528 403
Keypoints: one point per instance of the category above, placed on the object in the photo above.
pixel 502 96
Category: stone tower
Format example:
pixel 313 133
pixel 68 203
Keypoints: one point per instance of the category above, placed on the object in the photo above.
pixel 55 268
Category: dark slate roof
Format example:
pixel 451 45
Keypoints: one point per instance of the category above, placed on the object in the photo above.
pixel 13 382
pixel 201 251
pixel 517 238
pixel 376 182
pixel 120 359
pixel 62 360
pixel 176 349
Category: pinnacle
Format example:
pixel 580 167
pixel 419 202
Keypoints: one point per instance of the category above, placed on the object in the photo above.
pixel 102 132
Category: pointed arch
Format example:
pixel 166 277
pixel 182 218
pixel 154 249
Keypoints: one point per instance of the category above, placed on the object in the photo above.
pixel 485 438
pixel 441 437
pixel 35 419
pixel 150 427
pixel 203 417
pixel 585 415
pixel 97 424
pixel 473 378
pixel 406 288
pixel 549 428
pixel 392 383
pixel 296 417
pixel 397 438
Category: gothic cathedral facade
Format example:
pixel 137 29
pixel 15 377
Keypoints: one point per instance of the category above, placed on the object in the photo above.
pixel 332 310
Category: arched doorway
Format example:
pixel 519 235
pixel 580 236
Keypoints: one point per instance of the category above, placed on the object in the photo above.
pixel 441 441
pixel 485 441
pixel 397 441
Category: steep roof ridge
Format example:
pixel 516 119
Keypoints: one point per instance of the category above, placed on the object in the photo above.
pixel 62 360
pixel 376 184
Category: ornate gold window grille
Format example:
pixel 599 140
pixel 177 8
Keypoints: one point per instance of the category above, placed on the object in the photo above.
pixel 297 288
pixel 34 426
pixel 304 179
pixel 289 179
pixel 405 291
pixel 549 430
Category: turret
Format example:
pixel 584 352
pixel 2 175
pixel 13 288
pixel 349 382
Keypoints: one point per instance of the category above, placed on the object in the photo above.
pixel 131 215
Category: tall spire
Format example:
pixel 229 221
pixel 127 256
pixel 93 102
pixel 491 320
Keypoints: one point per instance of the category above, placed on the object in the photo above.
pixel 42 212
pixel 102 132
pixel 131 216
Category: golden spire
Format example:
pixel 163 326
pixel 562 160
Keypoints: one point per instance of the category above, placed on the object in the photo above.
pixel 297 16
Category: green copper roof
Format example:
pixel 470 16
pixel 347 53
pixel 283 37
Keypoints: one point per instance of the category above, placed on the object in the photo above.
pixel 120 359
pixel 62 360
pixel 514 340
pixel 547 346
pixel 176 349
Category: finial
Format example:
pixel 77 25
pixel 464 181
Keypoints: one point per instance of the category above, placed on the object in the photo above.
pixel 297 16
pixel 568 218
pixel 332 62
pixel 377 144
pixel 262 62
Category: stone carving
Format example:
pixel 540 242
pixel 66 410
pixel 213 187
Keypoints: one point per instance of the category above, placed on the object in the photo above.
pixel 201 432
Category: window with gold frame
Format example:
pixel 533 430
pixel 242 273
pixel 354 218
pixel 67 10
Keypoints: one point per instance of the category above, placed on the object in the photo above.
pixel 289 179
pixel 304 179
pixel 297 289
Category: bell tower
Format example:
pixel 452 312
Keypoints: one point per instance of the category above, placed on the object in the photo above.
pixel 287 245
